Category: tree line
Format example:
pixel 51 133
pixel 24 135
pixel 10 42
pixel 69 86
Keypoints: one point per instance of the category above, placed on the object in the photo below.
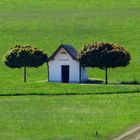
pixel 103 55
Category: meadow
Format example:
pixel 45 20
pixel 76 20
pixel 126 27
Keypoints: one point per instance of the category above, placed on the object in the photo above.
pixel 67 117
pixel 45 24
pixel 34 110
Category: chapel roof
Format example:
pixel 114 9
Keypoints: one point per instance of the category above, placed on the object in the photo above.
pixel 71 51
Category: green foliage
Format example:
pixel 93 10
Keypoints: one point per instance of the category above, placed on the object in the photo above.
pixel 104 55
pixel 25 56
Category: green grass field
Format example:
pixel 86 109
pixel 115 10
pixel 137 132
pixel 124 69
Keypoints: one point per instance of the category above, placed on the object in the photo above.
pixel 44 24
pixel 109 109
pixel 67 117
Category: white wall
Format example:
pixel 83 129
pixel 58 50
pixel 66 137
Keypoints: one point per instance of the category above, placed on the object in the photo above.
pixel 84 74
pixel 55 67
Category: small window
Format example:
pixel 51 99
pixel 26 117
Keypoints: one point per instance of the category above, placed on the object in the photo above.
pixel 63 52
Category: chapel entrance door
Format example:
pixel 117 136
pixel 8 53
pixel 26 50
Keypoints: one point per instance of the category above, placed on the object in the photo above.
pixel 65 74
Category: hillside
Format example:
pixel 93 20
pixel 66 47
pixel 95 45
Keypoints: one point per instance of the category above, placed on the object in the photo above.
pixel 45 24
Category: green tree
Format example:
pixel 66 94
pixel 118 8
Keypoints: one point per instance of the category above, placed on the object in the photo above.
pixel 25 56
pixel 104 55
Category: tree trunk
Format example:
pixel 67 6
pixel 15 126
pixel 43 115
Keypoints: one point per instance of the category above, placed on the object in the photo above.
pixel 106 76
pixel 25 74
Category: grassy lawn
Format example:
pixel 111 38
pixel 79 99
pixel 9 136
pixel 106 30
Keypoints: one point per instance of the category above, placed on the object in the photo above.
pixel 67 117
pixel 66 89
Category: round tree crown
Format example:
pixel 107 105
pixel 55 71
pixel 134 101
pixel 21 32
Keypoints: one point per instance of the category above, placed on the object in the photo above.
pixel 104 55
pixel 25 56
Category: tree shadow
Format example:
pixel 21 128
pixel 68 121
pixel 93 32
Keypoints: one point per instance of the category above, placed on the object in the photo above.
pixel 130 82
pixel 95 81
pixel 99 81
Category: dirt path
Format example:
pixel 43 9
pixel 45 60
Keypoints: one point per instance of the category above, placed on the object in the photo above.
pixel 132 134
